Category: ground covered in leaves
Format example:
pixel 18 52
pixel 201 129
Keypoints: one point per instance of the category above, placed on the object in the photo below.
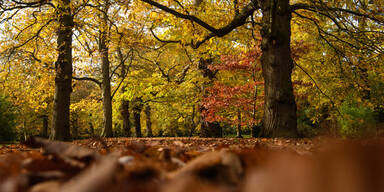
pixel 193 164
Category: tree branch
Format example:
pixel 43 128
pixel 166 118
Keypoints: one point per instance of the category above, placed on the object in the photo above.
pixel 325 8
pixel 161 40
pixel 318 88
pixel 121 82
pixel 88 79
pixel 237 21
pixel 19 5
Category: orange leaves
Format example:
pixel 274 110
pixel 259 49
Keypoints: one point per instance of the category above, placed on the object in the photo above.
pixel 247 61
pixel 220 165
pixel 236 88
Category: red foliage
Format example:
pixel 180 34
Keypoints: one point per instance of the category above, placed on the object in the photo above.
pixel 247 61
pixel 224 99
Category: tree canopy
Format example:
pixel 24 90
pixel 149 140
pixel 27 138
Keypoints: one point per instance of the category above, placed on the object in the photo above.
pixel 179 67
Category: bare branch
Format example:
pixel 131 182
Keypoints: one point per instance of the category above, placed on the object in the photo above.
pixel 88 79
pixel 19 5
pixel 161 40
pixel 325 8
pixel 122 61
pixel 186 68
pixel 122 79
pixel 34 36
pixel 237 21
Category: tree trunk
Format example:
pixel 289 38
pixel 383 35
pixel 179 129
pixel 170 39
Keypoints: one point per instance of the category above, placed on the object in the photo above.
pixel 279 103
pixel 138 106
pixel 44 130
pixel 91 129
pixel 105 65
pixel 208 129
pixel 63 79
pixel 148 120
pixel 193 123
pixel 254 131
pixel 238 131
pixel 124 112
pixel 124 106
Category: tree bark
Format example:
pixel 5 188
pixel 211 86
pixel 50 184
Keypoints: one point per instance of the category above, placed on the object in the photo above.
pixel 148 120
pixel 138 106
pixel 279 103
pixel 63 79
pixel 124 106
pixel 44 130
pixel 105 65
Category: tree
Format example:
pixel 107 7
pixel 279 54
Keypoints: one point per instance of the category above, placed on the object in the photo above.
pixel 107 38
pixel 280 107
pixel 63 80
pixel 63 66
pixel 236 94
pixel 279 104
pixel 148 121
pixel 105 68
pixel 137 108
pixel 124 105
pixel 343 59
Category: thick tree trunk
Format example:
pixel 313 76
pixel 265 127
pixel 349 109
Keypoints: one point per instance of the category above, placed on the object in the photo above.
pixel 107 99
pixel 63 80
pixel 279 104
pixel 148 120
pixel 138 106
pixel 105 65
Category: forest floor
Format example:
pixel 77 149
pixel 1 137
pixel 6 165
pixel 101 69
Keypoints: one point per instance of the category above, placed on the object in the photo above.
pixel 193 164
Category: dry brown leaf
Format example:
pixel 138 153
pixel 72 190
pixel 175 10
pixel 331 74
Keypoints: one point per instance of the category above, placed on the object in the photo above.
pixel 99 177
pixel 222 167
pixel 49 186
pixel 70 153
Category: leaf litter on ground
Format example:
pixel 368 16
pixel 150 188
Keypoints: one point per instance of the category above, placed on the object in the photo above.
pixel 193 164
